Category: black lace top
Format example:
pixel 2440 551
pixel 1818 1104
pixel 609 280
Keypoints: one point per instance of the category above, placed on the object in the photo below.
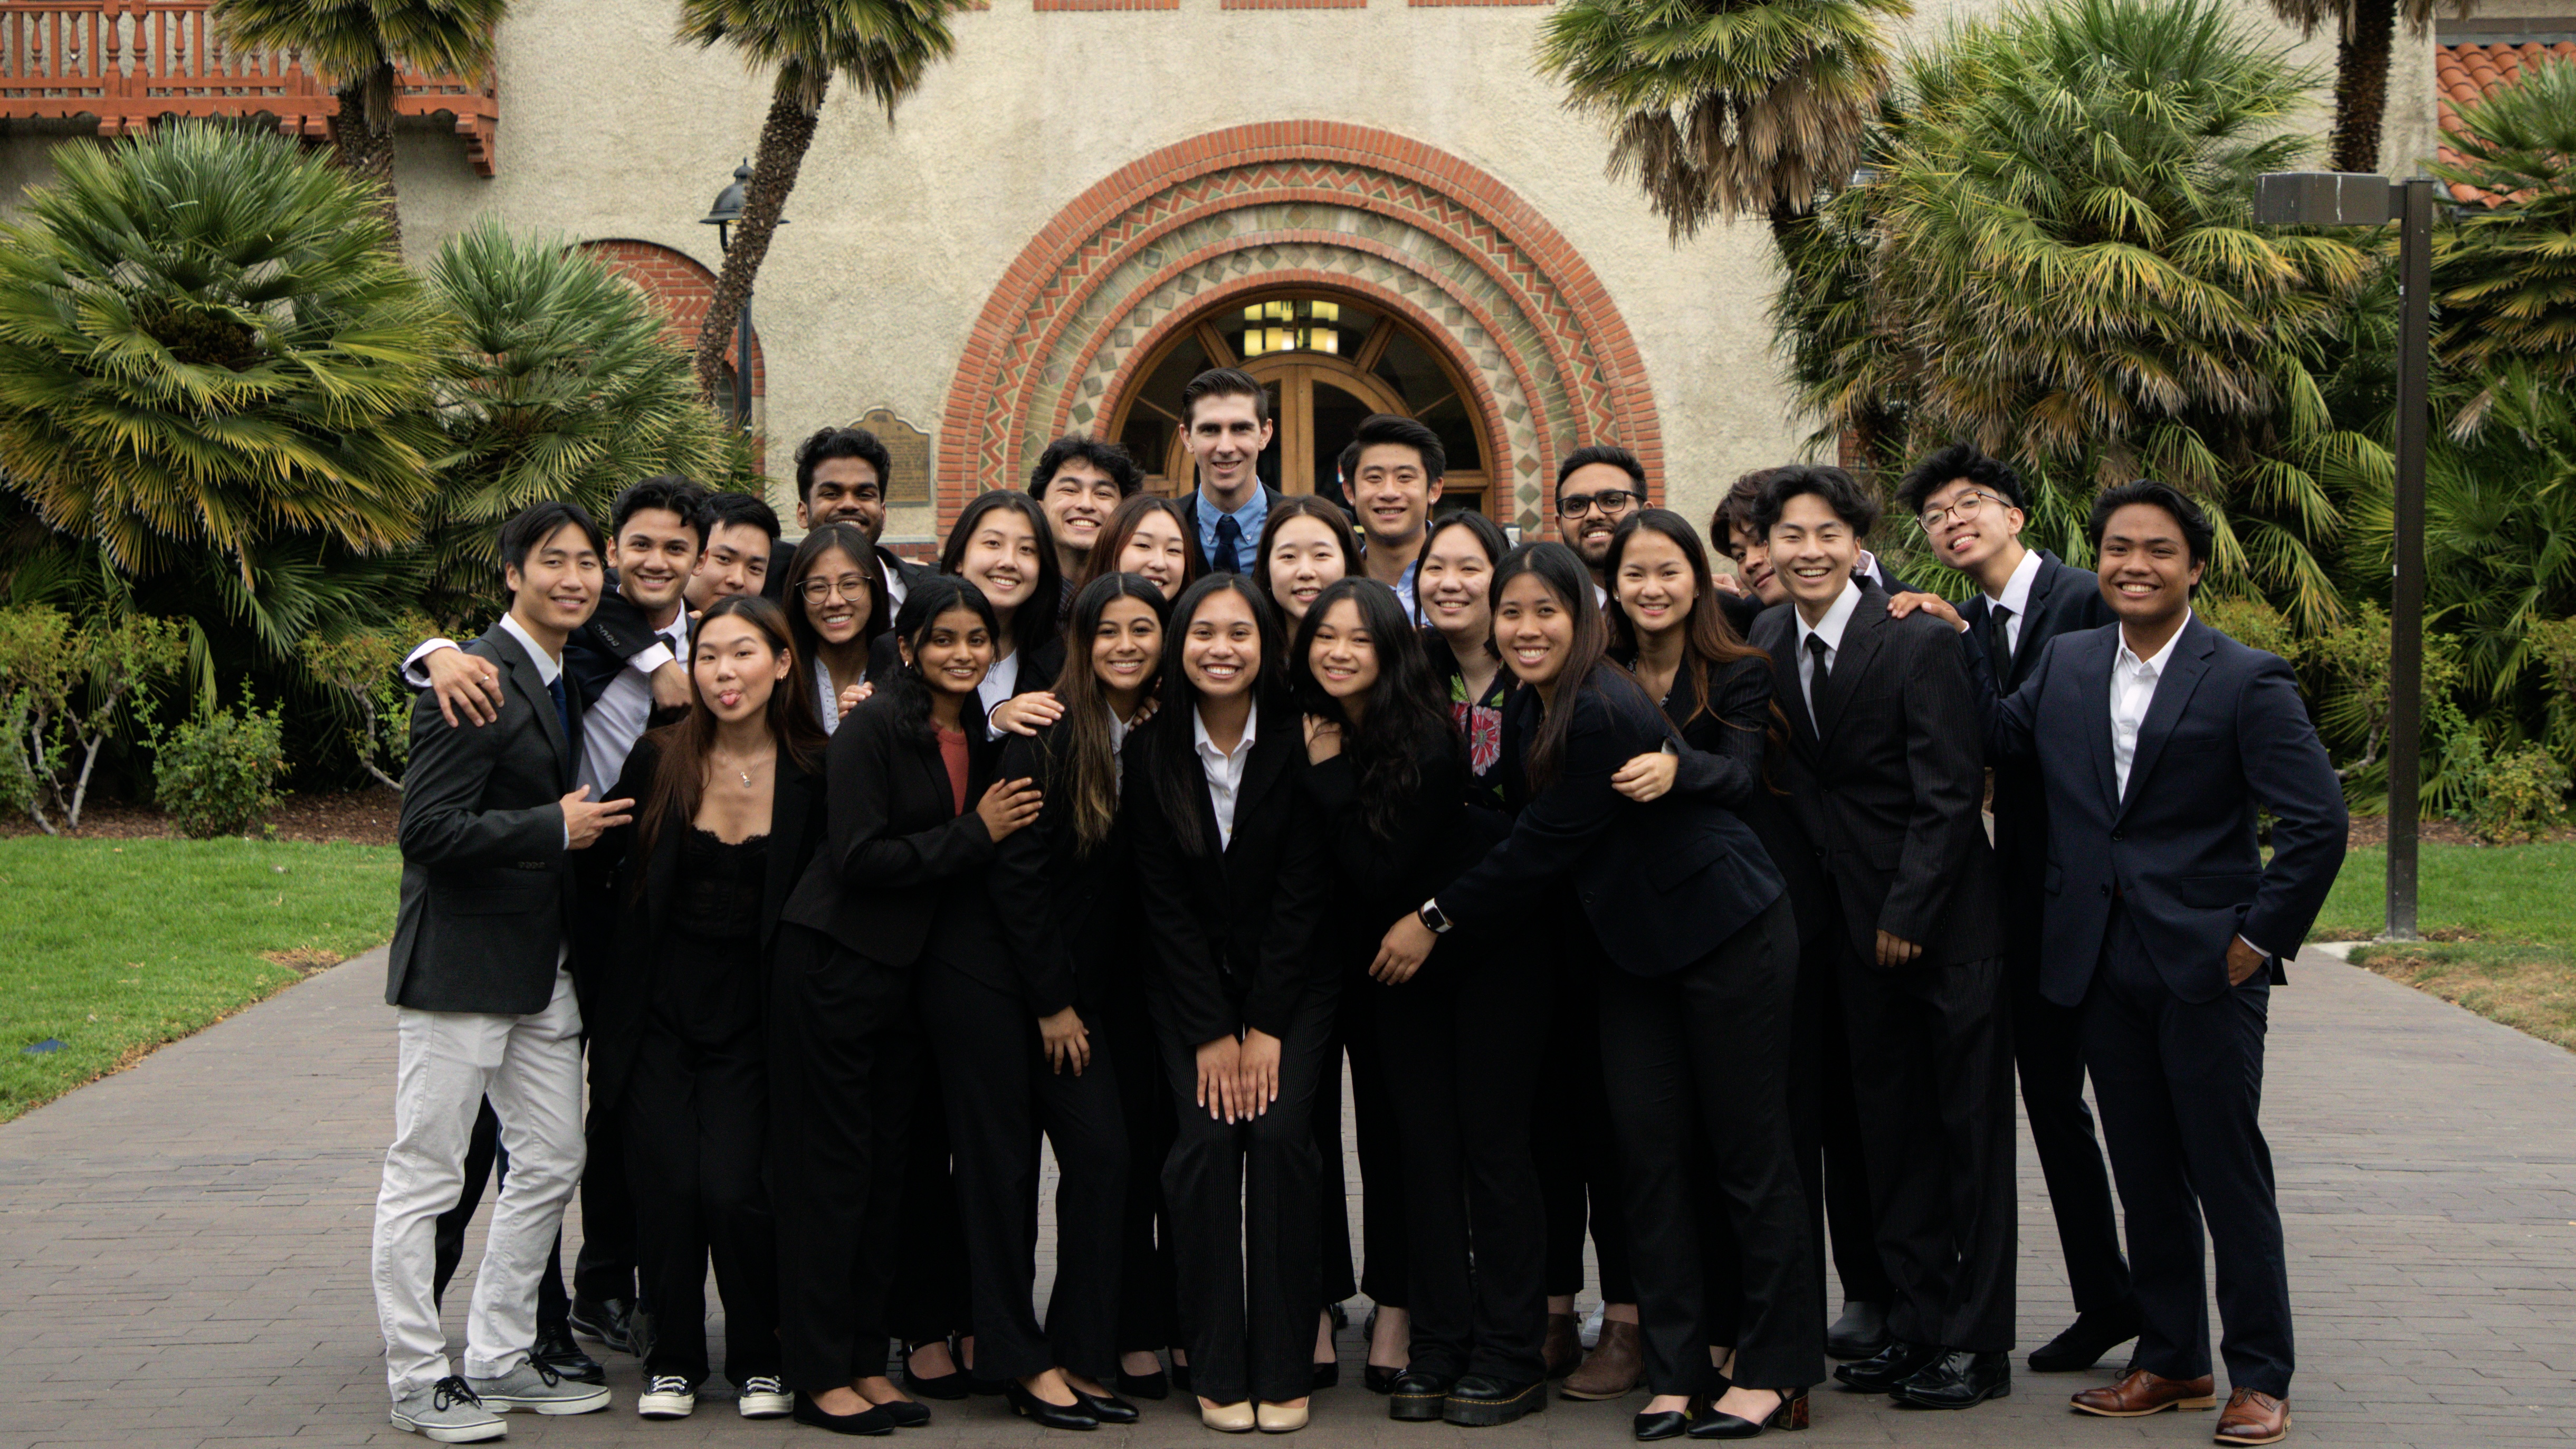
pixel 710 978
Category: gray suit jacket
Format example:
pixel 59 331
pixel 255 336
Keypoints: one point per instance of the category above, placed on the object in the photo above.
pixel 487 887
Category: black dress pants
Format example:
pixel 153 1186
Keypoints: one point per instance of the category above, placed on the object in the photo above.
pixel 1460 1047
pixel 2181 1088
pixel 2048 1046
pixel 1842 1167
pixel 1000 1093
pixel 696 1118
pixel 845 1064
pixel 1381 1272
pixel 1932 1074
pixel 606 1266
pixel 1577 1151
pixel 1242 1198
pixel 927 1301
pixel 483 1158
pixel 1146 1318
pixel 1701 1055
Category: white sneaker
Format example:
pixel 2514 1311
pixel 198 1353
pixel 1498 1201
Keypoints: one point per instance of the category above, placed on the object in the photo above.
pixel 763 1397
pixel 447 1412
pixel 535 1387
pixel 666 1396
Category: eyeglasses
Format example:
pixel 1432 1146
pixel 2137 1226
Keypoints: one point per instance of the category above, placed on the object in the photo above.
pixel 852 587
pixel 1608 500
pixel 1963 510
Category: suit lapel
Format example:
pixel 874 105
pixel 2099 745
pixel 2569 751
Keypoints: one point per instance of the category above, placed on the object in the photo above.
pixel 2174 688
pixel 2094 679
pixel 789 806
pixel 531 684
pixel 1781 643
pixel 1267 767
pixel 1861 636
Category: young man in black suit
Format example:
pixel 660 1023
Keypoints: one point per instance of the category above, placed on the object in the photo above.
pixel 841 477
pixel 1394 481
pixel 480 980
pixel 1225 417
pixel 1080 481
pixel 1971 509
pixel 742 532
pixel 1885 779
pixel 1597 487
pixel 2155 741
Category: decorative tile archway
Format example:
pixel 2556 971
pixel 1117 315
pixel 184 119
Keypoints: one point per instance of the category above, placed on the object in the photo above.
pixel 1321 203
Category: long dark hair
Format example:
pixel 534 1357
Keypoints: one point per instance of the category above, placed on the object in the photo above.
pixel 682 746
pixel 1122 526
pixel 907 691
pixel 1587 663
pixel 1087 761
pixel 1172 761
pixel 1407 710
pixel 825 538
pixel 1490 537
pixel 1036 619
pixel 1302 505
pixel 1709 642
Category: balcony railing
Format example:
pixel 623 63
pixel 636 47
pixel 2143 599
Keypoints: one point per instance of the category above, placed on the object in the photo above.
pixel 128 63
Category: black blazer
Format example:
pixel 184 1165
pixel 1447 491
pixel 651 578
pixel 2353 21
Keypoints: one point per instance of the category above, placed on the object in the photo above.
pixel 1233 932
pixel 1723 761
pixel 1663 883
pixel 487 887
pixel 2224 731
pixel 2062 600
pixel 1378 879
pixel 1060 911
pixel 899 857
pixel 626 894
pixel 1890 794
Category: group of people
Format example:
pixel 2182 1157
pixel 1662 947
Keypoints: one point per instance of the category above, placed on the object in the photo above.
pixel 1642 900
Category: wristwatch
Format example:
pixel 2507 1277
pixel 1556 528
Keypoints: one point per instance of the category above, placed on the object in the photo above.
pixel 1435 918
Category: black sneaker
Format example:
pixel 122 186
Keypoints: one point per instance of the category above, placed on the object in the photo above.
pixel 666 1396
pixel 609 1320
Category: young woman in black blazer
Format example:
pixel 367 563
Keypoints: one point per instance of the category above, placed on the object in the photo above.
pixel 1002 546
pixel 1231 865
pixel 1699 952
pixel 687 898
pixel 834 622
pixel 1459 1042
pixel 914 814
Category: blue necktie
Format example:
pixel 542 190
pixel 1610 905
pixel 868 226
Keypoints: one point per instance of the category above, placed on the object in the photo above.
pixel 1228 534
pixel 563 709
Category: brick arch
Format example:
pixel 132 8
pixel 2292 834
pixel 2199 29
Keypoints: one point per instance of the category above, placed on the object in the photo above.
pixel 682 288
pixel 1520 311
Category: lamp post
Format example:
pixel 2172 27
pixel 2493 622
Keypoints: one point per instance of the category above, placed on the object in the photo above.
pixel 722 216
pixel 2343 198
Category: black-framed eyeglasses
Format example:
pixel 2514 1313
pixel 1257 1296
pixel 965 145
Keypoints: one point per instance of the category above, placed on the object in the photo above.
pixel 1608 500
pixel 852 587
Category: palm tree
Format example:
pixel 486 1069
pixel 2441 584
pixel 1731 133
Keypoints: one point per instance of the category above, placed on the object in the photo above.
pixel 883 47
pixel 2505 277
pixel 1723 108
pixel 2059 265
pixel 2366 39
pixel 357 46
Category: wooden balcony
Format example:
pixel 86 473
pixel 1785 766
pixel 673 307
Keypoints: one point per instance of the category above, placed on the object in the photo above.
pixel 128 63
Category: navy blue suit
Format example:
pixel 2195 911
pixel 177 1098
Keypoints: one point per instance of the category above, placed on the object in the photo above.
pixel 2143 890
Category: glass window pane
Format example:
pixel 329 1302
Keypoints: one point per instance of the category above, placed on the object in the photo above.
pixel 1409 368
pixel 1298 324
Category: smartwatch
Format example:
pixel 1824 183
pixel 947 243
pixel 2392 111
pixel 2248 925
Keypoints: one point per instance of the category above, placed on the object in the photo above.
pixel 1434 917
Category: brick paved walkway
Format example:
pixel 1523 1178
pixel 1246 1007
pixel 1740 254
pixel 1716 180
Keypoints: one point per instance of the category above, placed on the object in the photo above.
pixel 183 1253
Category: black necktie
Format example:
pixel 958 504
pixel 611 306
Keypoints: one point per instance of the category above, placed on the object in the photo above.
pixel 1228 534
pixel 563 708
pixel 1824 669
pixel 2001 645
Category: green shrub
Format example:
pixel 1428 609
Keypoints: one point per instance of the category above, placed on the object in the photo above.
pixel 218 775
pixel 2249 621
pixel 2522 795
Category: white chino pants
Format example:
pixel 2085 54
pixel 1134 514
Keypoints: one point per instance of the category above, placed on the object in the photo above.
pixel 530 1066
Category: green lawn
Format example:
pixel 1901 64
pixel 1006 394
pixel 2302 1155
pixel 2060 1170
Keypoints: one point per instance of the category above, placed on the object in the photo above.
pixel 2523 893
pixel 113 947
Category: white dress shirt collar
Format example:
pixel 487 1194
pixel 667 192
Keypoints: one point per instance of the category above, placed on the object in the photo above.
pixel 2155 666
pixel 548 666
pixel 2016 594
pixel 1224 769
pixel 1836 619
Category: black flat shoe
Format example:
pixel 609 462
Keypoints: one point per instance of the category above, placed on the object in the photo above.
pixel 1048 1416
pixel 1789 1416
pixel 1144 1386
pixel 1669 1424
pixel 1957 1380
pixel 1108 1408
pixel 1327 1375
pixel 1416 1395
pixel 906 1414
pixel 1180 1378
pixel 1380 1380
pixel 869 1420
pixel 555 1349
pixel 1891 1366
pixel 1479 1402
pixel 2086 1340
pixel 949 1386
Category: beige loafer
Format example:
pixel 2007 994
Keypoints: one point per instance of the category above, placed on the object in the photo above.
pixel 1227 1418
pixel 1280 1419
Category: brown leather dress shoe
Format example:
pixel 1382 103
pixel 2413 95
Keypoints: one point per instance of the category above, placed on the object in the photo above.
pixel 1564 1346
pixel 2143 1393
pixel 2253 1417
pixel 1613 1367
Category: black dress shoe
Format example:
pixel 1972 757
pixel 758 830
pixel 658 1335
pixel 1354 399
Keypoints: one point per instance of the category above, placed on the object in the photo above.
pixel 1108 1408
pixel 609 1320
pixel 906 1414
pixel 555 1349
pixel 1048 1416
pixel 1481 1402
pixel 1144 1386
pixel 870 1420
pixel 1957 1380
pixel 1860 1332
pixel 1180 1378
pixel 1790 1415
pixel 1380 1380
pixel 2085 1340
pixel 1416 1395
pixel 1890 1366
pixel 1669 1424
pixel 948 1386
pixel 1327 1375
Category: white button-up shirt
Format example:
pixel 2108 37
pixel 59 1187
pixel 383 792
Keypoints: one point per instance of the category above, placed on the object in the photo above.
pixel 2016 597
pixel 2133 691
pixel 1224 770
pixel 1830 629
